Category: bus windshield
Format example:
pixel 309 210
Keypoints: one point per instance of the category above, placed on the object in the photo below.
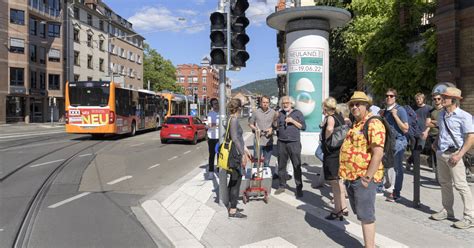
pixel 89 94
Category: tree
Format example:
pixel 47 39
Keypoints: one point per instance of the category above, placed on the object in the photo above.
pixel 381 34
pixel 160 71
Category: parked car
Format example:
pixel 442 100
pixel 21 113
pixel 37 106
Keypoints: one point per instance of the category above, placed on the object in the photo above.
pixel 183 127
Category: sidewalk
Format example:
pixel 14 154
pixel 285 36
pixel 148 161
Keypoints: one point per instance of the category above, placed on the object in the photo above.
pixel 188 214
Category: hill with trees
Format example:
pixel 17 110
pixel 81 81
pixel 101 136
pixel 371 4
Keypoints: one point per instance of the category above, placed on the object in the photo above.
pixel 267 87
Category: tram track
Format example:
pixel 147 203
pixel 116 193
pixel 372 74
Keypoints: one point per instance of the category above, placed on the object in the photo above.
pixel 34 205
pixel 28 141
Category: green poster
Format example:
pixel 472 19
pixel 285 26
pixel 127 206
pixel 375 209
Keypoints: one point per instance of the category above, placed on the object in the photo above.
pixel 306 89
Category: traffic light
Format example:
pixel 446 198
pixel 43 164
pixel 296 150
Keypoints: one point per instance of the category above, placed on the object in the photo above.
pixel 218 38
pixel 239 38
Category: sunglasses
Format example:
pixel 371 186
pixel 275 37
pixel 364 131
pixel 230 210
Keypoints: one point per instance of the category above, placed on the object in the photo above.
pixel 390 96
pixel 357 104
pixel 437 99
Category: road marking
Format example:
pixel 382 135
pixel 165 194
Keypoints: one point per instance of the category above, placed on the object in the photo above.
pixel 1 230
pixel 139 144
pixel 186 152
pixel 84 155
pixel 172 158
pixel 45 163
pixel 39 144
pixel 28 134
pixel 119 180
pixel 69 200
pixel 153 166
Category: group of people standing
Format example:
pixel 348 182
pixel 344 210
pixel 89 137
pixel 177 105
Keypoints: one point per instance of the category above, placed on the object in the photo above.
pixel 355 168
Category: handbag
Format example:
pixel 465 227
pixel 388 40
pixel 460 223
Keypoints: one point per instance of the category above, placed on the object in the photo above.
pixel 224 151
pixel 338 135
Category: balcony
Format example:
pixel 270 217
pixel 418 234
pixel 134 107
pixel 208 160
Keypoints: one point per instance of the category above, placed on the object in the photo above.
pixel 38 7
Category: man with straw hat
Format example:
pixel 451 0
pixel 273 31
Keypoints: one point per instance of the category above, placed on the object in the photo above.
pixel 361 163
pixel 456 136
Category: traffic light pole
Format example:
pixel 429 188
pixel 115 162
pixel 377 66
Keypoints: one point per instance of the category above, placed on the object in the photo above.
pixel 223 191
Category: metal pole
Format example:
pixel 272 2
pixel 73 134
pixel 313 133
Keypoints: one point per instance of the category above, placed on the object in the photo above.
pixel 51 105
pixel 223 191
pixel 416 176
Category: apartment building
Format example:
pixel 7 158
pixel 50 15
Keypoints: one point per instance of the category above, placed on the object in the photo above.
pixel 89 41
pixel 198 79
pixel 31 61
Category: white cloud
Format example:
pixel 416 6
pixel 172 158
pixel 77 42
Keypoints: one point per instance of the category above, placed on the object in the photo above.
pixel 259 10
pixel 162 19
pixel 200 2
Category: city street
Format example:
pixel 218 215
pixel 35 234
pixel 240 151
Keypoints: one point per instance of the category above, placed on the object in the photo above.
pixel 61 190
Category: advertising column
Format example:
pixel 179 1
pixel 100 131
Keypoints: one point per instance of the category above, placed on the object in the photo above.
pixel 308 80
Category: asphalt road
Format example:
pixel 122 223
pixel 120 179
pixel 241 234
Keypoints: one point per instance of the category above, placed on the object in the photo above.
pixel 62 190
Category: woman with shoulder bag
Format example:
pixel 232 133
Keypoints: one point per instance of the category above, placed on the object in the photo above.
pixel 238 158
pixel 332 120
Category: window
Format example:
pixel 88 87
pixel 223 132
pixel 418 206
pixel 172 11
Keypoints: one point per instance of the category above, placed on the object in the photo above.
pixel 17 45
pixel 101 45
pixel 130 72
pixel 204 89
pixel 89 78
pixel 54 30
pixel 89 62
pixel 195 80
pixel 101 25
pixel 204 80
pixel 53 82
pixel 76 35
pixel 33 82
pixel 181 79
pixel 42 30
pixel 76 13
pixel 54 55
pixel 190 80
pixel 89 40
pixel 195 89
pixel 89 19
pixel 76 77
pixel 76 58
pixel 42 78
pixel 204 72
pixel 17 76
pixel 17 16
pixel 33 26
pixel 139 59
pixel 33 54
pixel 42 55
pixel 101 64
pixel 192 72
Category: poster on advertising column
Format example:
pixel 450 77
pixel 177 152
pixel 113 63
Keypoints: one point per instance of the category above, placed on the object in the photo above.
pixel 305 76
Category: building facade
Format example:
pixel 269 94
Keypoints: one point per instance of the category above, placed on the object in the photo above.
pixel 89 42
pixel 31 62
pixel 202 80
pixel 454 20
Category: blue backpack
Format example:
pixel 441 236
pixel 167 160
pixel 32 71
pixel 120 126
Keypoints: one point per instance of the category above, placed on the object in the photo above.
pixel 413 130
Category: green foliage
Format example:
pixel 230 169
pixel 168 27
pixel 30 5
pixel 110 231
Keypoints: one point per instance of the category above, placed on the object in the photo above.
pixel 376 35
pixel 267 87
pixel 160 71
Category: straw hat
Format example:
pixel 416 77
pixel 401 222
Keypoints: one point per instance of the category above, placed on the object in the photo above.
pixel 452 92
pixel 359 96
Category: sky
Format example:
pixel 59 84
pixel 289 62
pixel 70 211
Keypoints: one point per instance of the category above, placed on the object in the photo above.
pixel 179 30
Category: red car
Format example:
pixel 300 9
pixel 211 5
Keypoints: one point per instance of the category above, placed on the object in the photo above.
pixel 183 127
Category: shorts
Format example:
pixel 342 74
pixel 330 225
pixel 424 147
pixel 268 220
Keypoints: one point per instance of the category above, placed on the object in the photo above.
pixel 362 199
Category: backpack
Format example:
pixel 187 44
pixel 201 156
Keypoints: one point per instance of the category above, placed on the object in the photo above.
pixel 334 142
pixel 389 145
pixel 413 130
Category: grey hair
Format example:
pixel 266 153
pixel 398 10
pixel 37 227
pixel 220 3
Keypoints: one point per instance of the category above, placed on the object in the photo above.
pixel 290 98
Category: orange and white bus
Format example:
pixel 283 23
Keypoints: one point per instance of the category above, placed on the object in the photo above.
pixel 179 104
pixel 104 107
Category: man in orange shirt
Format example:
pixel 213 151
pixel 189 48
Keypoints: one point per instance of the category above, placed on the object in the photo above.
pixel 361 164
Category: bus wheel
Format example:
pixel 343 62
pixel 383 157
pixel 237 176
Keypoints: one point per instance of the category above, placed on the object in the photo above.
pixel 195 139
pixel 133 129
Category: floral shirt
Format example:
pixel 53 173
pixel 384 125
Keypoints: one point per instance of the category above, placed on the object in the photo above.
pixel 355 152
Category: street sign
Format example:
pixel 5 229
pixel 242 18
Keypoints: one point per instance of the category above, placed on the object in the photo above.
pixel 281 69
pixel 193 112
pixel 193 106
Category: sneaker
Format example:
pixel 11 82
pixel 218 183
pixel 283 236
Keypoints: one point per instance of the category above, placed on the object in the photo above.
pixel 442 215
pixel 379 193
pixel 392 198
pixel 299 193
pixel 279 191
pixel 237 215
pixel 289 177
pixel 464 224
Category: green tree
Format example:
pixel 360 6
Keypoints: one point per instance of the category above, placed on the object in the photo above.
pixel 379 36
pixel 160 71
